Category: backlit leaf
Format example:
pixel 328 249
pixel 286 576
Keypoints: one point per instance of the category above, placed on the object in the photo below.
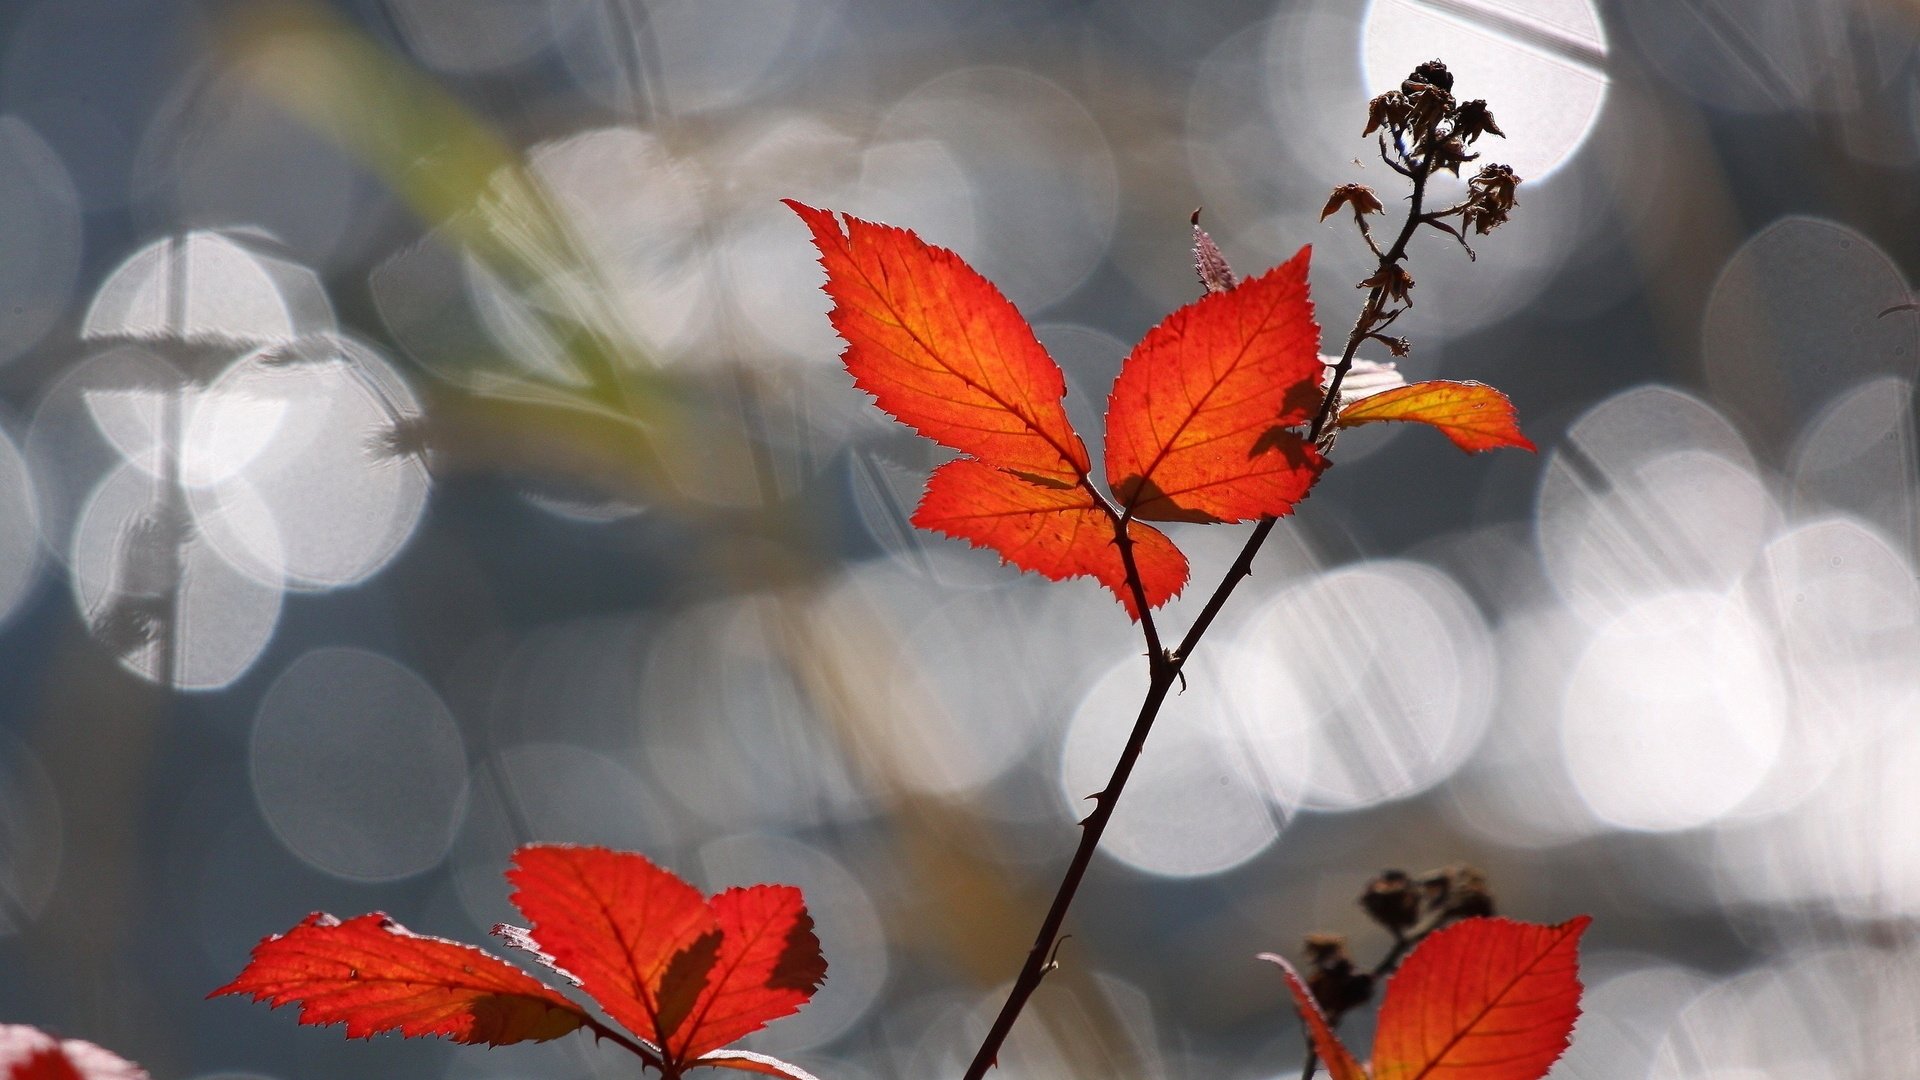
pixel 683 972
pixel 1198 424
pixel 1490 999
pixel 1474 415
pixel 1333 1053
pixel 941 349
pixel 373 975
pixel 1057 532
pixel 614 920
pixel 769 964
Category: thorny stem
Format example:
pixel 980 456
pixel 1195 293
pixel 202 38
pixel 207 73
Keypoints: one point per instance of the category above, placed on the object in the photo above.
pixel 1165 668
pixel 613 1034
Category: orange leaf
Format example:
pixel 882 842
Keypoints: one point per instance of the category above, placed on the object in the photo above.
pixel 373 975
pixel 1333 1053
pixel 27 1053
pixel 942 350
pixel 1492 999
pixel 1057 532
pixel 1474 415
pixel 683 972
pixel 1197 422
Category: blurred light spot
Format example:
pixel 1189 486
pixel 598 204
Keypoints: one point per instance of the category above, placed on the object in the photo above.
pixel 1516 791
pixel 208 285
pixel 358 766
pixel 40 231
pixel 1675 713
pixel 474 36
pixel 32 837
pixel 1775 55
pixel 1194 804
pixel 222 151
pixel 1796 313
pixel 156 595
pixel 1366 684
pixel 673 57
pixel 728 721
pixel 1624 1017
pixel 1540 64
pixel 638 213
pixel 19 529
pixel 1845 608
pixel 1035 146
pixel 299 469
pixel 845 920
pixel 552 792
pixel 1651 491
pixel 1836 1014
pixel 1858 457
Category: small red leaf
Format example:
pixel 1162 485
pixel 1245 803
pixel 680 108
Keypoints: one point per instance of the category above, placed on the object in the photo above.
pixel 373 975
pixel 613 919
pixel 27 1053
pixel 1198 421
pixel 1474 415
pixel 1492 999
pixel 683 972
pixel 1333 1053
pixel 942 350
pixel 1057 532
pixel 747 1061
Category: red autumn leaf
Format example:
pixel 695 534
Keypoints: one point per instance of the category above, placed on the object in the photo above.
pixel 1197 424
pixel 374 975
pixel 747 1061
pixel 1055 532
pixel 684 973
pixel 942 350
pixel 27 1053
pixel 1492 999
pixel 1333 1053
pixel 1474 415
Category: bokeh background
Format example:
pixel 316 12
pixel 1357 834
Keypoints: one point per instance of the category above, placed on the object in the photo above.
pixel 420 434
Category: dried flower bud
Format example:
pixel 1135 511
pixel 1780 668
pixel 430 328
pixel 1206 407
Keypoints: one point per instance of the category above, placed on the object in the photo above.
pixel 1359 196
pixel 1473 120
pixel 1456 892
pixel 1337 986
pixel 1427 106
pixel 1449 154
pixel 1394 278
pixel 1208 262
pixel 1495 185
pixel 1389 110
pixel 1431 73
pixel 1392 901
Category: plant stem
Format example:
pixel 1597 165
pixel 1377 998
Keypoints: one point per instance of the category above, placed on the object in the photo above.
pixel 1165 668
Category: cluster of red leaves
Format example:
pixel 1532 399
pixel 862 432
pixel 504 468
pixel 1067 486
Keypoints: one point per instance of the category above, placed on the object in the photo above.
pixel 1204 423
pixel 1490 999
pixel 27 1053
pixel 686 974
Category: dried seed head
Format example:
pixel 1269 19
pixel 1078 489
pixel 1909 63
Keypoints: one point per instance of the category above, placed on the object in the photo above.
pixel 1358 196
pixel 1392 901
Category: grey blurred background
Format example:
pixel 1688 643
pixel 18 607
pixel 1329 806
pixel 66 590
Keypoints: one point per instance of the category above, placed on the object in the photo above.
pixel 420 433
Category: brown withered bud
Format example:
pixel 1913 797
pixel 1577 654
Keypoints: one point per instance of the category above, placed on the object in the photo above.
pixel 1431 73
pixel 1392 901
pixel 1427 106
pixel 1450 154
pixel 1338 987
pixel 1473 120
pixel 1393 278
pixel 1359 196
pixel 1389 110
pixel 1456 892
pixel 1489 198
